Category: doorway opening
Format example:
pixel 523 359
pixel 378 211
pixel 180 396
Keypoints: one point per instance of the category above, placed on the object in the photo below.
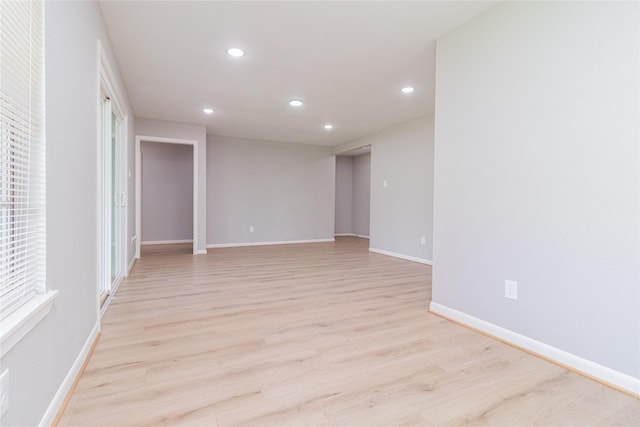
pixel 139 189
pixel 167 191
pixel 353 189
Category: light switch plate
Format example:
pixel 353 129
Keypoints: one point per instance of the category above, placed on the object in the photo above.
pixel 511 289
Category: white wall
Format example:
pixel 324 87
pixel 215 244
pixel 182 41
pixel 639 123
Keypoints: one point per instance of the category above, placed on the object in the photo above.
pixel 167 192
pixel 286 191
pixel 159 128
pixel 344 193
pixel 39 363
pixel 402 212
pixel 537 175
pixel 361 194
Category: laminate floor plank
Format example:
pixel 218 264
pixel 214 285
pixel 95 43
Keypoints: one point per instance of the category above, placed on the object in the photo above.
pixel 322 334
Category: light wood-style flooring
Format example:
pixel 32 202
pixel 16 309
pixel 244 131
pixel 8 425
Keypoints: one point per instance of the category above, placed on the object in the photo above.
pixel 324 334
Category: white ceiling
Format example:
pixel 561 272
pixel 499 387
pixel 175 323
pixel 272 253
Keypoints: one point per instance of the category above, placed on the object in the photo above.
pixel 346 60
pixel 357 151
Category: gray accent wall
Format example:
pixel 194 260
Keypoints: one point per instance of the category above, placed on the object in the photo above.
pixel 39 363
pixel 344 194
pixel 165 129
pixel 285 191
pixel 361 195
pixel 167 191
pixel 401 213
pixel 537 175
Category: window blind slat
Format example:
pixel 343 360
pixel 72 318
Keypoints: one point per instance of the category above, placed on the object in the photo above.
pixel 22 155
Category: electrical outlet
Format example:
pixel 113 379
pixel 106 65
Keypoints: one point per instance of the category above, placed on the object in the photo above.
pixel 251 229
pixel 511 289
pixel 384 183
pixel 4 393
pixel 423 240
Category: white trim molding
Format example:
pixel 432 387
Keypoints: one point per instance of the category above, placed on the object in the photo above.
pixel 58 399
pixel 192 142
pixel 110 297
pixel 166 242
pixel 281 242
pixel 109 198
pixel 565 359
pixel 18 324
pixel 401 256
pixel 131 265
pixel 362 236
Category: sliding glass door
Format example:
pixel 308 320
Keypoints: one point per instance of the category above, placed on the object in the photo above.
pixel 112 201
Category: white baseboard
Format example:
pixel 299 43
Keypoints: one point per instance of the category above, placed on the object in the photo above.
pixel 586 367
pixel 401 256
pixel 283 242
pixel 131 265
pixel 362 236
pixel 56 404
pixel 110 297
pixel 165 242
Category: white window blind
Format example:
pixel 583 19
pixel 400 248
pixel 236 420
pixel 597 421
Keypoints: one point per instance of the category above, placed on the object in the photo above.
pixel 22 154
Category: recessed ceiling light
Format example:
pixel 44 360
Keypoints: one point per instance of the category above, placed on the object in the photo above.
pixel 296 103
pixel 235 52
pixel 407 89
pixel 328 126
pixel 207 110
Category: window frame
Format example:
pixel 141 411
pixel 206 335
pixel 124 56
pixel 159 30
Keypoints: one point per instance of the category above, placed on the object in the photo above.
pixel 33 306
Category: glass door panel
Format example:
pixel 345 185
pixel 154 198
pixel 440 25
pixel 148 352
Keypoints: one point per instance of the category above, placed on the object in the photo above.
pixel 115 193
pixel 111 212
pixel 104 284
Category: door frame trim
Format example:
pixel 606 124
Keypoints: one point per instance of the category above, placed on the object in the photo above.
pixel 164 140
pixel 108 84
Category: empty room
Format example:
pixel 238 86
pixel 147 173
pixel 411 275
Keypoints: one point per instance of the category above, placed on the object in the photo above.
pixel 319 213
